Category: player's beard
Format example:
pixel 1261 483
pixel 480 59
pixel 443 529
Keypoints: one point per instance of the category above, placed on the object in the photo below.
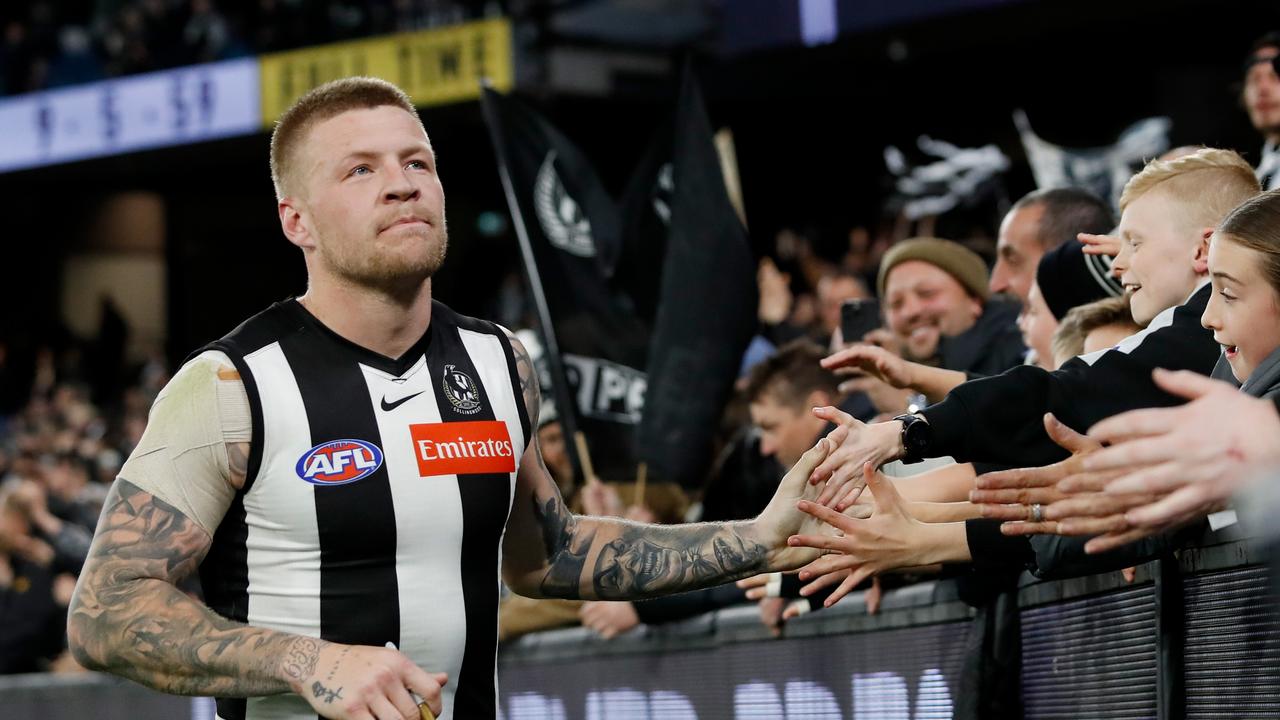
pixel 392 269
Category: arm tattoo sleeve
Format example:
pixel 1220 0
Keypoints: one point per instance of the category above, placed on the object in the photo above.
pixel 128 618
pixel 639 561
pixel 631 561
pixel 566 550
pixel 648 560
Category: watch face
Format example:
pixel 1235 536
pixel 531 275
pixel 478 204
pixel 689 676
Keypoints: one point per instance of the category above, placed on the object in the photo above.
pixel 916 433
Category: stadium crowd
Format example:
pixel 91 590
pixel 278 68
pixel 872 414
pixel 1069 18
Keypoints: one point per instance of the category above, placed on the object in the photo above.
pixel 55 44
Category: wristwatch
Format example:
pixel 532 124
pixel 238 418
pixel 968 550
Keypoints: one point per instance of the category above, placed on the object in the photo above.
pixel 916 434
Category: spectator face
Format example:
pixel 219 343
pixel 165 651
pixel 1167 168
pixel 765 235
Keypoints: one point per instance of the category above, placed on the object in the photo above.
pixel 373 212
pixel 832 292
pixel 1037 325
pixel 924 302
pixel 1244 310
pixel 1262 92
pixel 788 429
pixel 551 441
pixel 1018 252
pixel 1157 256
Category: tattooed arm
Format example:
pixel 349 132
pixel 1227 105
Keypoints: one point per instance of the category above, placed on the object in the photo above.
pixel 550 552
pixel 128 617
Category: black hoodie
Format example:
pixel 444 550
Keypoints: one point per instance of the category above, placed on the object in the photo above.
pixel 999 419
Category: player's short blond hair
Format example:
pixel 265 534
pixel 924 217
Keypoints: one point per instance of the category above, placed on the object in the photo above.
pixel 1205 185
pixel 317 105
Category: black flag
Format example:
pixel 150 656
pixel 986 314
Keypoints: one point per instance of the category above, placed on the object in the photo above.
pixel 706 306
pixel 572 225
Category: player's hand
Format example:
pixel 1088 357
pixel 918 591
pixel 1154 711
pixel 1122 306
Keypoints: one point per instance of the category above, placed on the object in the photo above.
pixel 888 540
pixel 780 518
pixel 357 682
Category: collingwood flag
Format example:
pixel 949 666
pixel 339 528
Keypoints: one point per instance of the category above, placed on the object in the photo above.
pixel 1101 170
pixel 707 295
pixel 652 300
pixel 572 225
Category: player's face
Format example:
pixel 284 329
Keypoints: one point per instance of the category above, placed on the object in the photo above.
pixel 374 200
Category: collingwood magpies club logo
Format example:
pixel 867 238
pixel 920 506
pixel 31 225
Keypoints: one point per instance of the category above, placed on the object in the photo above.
pixel 461 391
pixel 560 216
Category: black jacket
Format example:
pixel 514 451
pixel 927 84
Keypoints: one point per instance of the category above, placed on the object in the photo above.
pixel 998 419
pixel 991 346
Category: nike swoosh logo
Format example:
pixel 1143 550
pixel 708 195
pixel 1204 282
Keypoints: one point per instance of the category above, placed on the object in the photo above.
pixel 388 407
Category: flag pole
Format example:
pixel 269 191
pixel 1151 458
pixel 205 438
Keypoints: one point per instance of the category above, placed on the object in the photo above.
pixel 559 380
pixel 729 169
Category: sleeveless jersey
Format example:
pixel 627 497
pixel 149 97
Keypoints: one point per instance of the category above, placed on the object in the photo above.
pixel 376 498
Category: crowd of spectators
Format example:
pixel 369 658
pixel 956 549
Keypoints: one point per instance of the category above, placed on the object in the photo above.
pixel 975 416
pixel 46 44
pixel 60 450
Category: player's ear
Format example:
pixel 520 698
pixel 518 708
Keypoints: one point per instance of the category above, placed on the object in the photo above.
pixel 294 221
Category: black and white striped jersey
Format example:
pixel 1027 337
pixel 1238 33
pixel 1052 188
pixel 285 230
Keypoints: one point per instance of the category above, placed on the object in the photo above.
pixel 376 498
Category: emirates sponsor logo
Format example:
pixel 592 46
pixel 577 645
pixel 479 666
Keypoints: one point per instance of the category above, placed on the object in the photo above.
pixel 463 448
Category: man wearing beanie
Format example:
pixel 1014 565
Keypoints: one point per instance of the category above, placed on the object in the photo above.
pixel 937 304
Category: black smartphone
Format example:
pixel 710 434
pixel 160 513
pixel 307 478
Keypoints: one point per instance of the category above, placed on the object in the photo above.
pixel 859 317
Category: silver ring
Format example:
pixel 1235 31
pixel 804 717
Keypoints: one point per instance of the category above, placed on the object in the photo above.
pixel 1037 512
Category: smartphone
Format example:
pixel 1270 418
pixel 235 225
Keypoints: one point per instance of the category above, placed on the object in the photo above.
pixel 859 317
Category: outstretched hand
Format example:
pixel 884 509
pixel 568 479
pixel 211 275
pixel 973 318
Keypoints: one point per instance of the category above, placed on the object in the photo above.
pixel 781 519
pixel 1188 459
pixel 871 360
pixel 1020 496
pixel 890 539
pixel 857 444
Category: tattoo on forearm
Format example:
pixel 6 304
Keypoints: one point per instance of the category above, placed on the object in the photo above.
pixel 565 551
pixel 127 617
pixel 528 380
pixel 300 658
pixel 644 561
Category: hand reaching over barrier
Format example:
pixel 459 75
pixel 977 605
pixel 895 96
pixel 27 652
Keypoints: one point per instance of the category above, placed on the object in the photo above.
pixel 890 539
pixel 1188 460
pixel 856 444
pixel 1034 500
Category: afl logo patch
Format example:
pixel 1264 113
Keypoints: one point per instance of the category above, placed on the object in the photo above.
pixel 461 391
pixel 339 462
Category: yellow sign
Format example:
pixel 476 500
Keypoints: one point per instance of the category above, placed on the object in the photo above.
pixel 433 66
